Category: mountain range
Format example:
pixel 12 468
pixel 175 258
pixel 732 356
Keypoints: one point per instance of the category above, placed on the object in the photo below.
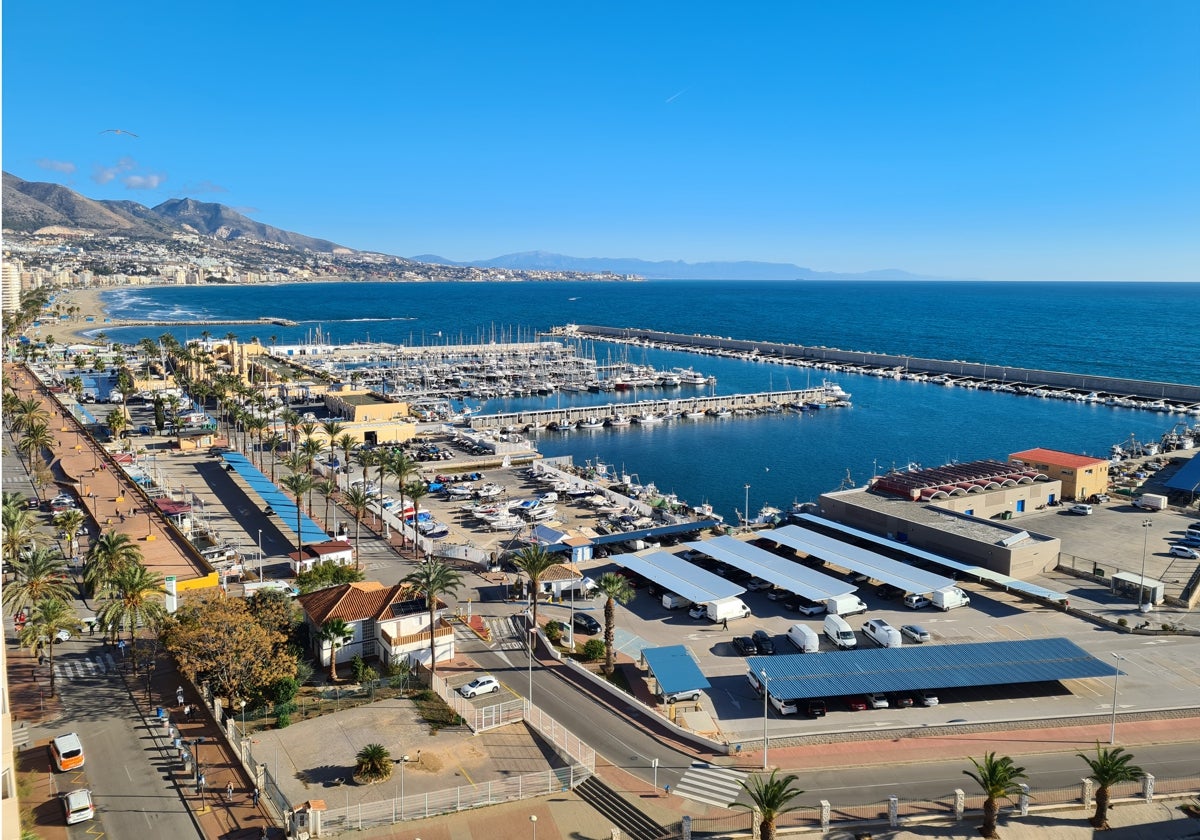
pixel 33 206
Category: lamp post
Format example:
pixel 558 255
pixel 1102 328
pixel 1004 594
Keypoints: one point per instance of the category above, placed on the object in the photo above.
pixel 533 822
pixel 242 703
pixel 403 763
pixel 532 633
pixel 1112 732
pixel 260 554
pixel 746 515
pixel 766 693
pixel 1146 524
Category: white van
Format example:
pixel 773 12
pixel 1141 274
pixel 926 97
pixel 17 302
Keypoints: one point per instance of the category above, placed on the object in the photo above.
pixel 882 633
pixel 804 638
pixel 671 601
pixel 838 631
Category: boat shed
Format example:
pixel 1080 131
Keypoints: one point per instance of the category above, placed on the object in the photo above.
pixel 785 573
pixel 922 667
pixel 679 576
pixel 961 569
pixel 674 669
pixel 278 501
pixel 875 566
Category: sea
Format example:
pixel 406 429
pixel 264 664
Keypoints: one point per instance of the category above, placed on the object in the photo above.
pixel 1135 330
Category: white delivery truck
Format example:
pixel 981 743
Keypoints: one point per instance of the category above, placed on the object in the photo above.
pixel 727 608
pixel 844 605
pixel 804 638
pixel 671 601
pixel 1151 501
pixel 838 631
pixel 949 598
pixel 882 633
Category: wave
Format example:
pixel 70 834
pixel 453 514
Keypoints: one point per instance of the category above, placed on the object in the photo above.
pixel 353 320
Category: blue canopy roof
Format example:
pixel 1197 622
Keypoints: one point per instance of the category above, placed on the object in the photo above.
pixel 276 499
pixel 680 576
pixel 863 560
pixel 927 667
pixel 674 669
pixel 780 571
pixel 1187 477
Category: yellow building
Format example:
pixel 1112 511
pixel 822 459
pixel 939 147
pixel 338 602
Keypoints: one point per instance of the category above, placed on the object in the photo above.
pixel 1082 476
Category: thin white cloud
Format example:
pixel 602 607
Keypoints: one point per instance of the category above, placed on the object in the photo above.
pixel 201 187
pixel 63 166
pixel 105 174
pixel 151 181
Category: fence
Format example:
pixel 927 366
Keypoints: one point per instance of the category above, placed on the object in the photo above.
pixel 478 719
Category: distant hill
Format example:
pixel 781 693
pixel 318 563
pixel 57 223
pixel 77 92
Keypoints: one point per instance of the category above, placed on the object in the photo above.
pixel 32 205
pixel 670 269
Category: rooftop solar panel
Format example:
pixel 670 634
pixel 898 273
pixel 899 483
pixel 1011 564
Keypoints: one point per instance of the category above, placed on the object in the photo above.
pixel 927 667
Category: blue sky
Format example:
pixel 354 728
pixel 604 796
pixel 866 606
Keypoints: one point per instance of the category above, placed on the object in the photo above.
pixel 1007 141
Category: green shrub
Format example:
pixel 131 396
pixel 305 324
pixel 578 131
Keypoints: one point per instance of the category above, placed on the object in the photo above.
pixel 594 649
pixel 359 668
pixel 285 690
pixel 554 631
pixel 1122 622
pixel 369 675
pixel 283 721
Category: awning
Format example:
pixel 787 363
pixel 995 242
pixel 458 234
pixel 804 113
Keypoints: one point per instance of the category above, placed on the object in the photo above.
pixel 276 499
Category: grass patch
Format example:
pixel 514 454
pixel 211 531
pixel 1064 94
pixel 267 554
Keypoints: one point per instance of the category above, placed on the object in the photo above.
pixel 434 711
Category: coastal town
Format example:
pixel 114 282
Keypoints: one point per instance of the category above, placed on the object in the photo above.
pixel 429 572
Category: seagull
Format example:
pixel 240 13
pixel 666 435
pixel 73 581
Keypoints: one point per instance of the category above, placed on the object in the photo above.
pixel 118 131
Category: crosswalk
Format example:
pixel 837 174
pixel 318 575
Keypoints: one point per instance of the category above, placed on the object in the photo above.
pixel 710 784
pixel 507 632
pixel 84 667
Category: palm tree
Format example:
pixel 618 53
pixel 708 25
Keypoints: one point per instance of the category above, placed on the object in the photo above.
pixel 1109 767
pixel 258 424
pixel 359 503
pixel 117 423
pixel 433 578
pixel 310 449
pixel 328 488
pixel 34 439
pixel 70 521
pixel 346 442
pixel 999 778
pixel 298 484
pixel 40 574
pixel 28 412
pixel 770 797
pixel 110 554
pixel 272 444
pixel 337 632
pixel 616 590
pixel 21 532
pixel 534 560
pixel 136 595
pixel 416 491
pixel 373 764
pixel 332 428
pixel 48 618
pixel 400 467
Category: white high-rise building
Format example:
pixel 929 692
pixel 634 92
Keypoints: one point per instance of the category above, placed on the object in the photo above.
pixel 10 285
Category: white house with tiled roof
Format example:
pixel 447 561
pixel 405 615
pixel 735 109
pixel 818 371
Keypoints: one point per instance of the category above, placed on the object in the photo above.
pixel 385 622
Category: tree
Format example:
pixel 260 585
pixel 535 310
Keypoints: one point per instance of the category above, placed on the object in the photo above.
pixel 416 491
pixel 338 633
pixel 534 560
pixel 135 596
pixel 332 428
pixel 328 488
pixel 21 532
pixel 771 796
pixel 616 590
pixel 433 578
pixel 117 423
pixel 272 444
pixel 1109 767
pixel 998 777
pixel 40 574
pixel 214 637
pixel 109 554
pixel 48 618
pixel 70 521
pixel 373 764
pixel 358 503
pixel 346 442
pixel 400 467
pixel 35 438
pixel 274 610
pixel 324 575
pixel 298 484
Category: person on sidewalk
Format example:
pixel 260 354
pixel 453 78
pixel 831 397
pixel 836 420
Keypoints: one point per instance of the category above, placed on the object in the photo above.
pixel 254 798
pixel 229 791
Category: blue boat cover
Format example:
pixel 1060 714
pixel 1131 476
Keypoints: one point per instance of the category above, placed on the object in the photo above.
pixel 276 499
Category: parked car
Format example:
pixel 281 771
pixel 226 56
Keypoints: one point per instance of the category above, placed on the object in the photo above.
pixel 784 707
pixel 756 584
pixel 698 611
pixel 888 592
pixel 67 752
pixel 584 623
pixel 763 643
pixel 1185 551
pixel 928 698
pixel 901 699
pixel 917 602
pixel 745 645
pixel 681 696
pixel 915 632
pixel 1098 498
pixel 1191 539
pixel 78 806
pixel 486 684
pixel 876 701
pixel 856 704
pixel 778 594
pixel 806 607
pixel 814 708
pixel 1080 510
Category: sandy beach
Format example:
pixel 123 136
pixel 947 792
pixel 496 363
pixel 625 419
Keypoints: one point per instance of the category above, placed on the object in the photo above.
pixel 89 303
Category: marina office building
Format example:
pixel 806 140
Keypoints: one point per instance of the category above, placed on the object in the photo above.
pixel 1082 476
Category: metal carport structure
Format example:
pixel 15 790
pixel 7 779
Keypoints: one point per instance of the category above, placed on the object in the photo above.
pixel 800 676
pixel 276 499
pixel 679 576
pixel 785 573
pixel 674 668
pixel 869 563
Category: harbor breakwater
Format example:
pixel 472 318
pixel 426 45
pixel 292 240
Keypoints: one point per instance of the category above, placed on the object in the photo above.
pixel 772 351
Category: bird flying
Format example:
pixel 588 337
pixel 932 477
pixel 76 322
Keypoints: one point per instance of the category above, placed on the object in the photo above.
pixel 118 131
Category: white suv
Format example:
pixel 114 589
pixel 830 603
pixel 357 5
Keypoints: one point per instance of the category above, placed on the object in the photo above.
pixel 1080 510
pixel 486 684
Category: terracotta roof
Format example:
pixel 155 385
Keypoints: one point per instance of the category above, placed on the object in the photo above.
pixel 353 601
pixel 1058 459
pixel 318 550
pixel 560 572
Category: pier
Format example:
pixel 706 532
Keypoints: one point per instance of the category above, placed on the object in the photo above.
pixel 1155 394
pixel 663 409
pixel 114 323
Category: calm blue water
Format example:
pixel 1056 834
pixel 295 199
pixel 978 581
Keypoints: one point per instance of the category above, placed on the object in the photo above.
pixel 1111 329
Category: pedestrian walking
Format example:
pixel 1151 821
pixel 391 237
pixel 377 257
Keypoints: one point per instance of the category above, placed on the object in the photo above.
pixel 190 713
pixel 263 834
pixel 179 696
pixel 229 791
pixel 254 798
pixel 724 623
pixel 41 659
pixel 121 647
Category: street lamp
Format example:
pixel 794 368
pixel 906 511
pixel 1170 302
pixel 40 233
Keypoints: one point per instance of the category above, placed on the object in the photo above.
pixel 1146 524
pixel 533 822
pixel 259 554
pixel 746 515
pixel 1112 732
pixel 403 763
pixel 766 693
pixel 242 703
pixel 532 634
